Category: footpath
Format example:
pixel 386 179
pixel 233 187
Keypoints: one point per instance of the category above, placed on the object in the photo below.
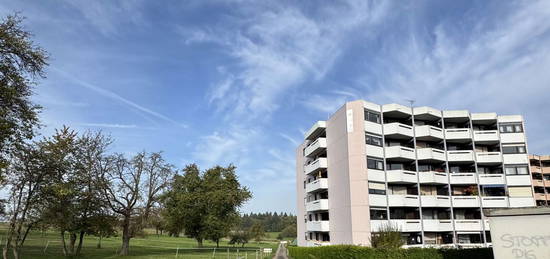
pixel 281 252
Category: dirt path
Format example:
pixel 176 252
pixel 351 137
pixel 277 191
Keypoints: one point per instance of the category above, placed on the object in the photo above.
pixel 281 252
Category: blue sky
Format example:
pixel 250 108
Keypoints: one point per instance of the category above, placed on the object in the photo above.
pixel 223 81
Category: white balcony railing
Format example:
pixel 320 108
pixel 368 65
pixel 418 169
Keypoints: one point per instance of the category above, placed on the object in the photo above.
pixel 315 129
pixel 518 202
pixel 320 163
pixel 407 225
pixel 460 155
pixel 463 178
pixel 401 176
pixel 378 200
pixel 494 202
pixel 428 132
pixel 488 157
pixel 486 136
pixel 403 200
pixel 398 129
pixel 465 201
pixel 432 177
pixel 485 179
pixel 436 225
pixel 468 225
pixel 316 205
pixel 518 180
pixel 315 147
pixel 400 153
pixel 431 154
pixel 319 226
pixel 435 201
pixel 456 134
pixel 319 184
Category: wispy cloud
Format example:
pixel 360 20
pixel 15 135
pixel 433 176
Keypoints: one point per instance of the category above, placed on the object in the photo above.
pixel 292 140
pixel 118 98
pixel 108 125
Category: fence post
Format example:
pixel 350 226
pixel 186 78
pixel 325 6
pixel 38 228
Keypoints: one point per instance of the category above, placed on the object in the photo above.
pixel 46 247
pixel 227 253
pixel 177 251
pixel 237 253
pixel 214 253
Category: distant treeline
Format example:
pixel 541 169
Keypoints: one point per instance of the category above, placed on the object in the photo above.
pixel 271 221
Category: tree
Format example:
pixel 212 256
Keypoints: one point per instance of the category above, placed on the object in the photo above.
pixel 288 232
pixel 27 176
pixel 387 237
pixel 239 237
pixel 257 232
pixel 22 63
pixel 131 186
pixel 205 204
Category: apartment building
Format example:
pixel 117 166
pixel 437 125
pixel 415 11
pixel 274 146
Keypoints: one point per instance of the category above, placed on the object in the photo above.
pixel 540 173
pixel 426 171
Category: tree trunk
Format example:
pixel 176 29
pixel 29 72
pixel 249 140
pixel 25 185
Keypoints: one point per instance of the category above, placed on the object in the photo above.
pixel 65 253
pixel 5 252
pixel 15 251
pixel 72 241
pixel 217 243
pixel 125 236
pixel 99 242
pixel 80 241
pixel 199 242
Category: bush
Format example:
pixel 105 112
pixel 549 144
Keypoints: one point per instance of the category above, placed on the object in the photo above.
pixel 358 252
pixel 387 237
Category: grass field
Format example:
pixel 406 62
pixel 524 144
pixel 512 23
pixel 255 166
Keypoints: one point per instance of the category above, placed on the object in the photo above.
pixel 150 246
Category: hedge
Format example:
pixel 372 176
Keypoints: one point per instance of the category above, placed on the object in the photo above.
pixel 358 252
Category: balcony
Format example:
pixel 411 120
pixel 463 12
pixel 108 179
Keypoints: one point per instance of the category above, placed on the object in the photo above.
pixel 403 200
pixel 518 180
pixel 313 243
pixel 407 225
pixel 538 183
pixel 461 156
pixel 400 153
pixel 456 114
pixel 427 132
pixel 488 158
pixel 486 136
pixel 398 130
pixel 468 225
pixel 512 138
pixel 316 129
pixel 465 201
pixel 536 169
pixel 515 158
pixel 485 179
pixel 426 113
pixel 458 134
pixel 484 118
pixel 317 165
pixel 463 178
pixel 319 184
pixel 376 175
pixel 316 147
pixel 518 202
pixel 494 202
pixel 431 154
pixel 433 178
pixel 540 196
pixel 318 226
pixel 401 176
pixel 438 225
pixel 316 205
pixel 546 170
pixel 435 201
pixel 378 200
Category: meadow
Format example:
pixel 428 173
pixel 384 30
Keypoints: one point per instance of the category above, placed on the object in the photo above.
pixel 42 245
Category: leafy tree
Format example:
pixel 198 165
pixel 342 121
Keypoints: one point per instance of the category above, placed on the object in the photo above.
pixel 387 237
pixel 239 237
pixel 257 232
pixel 205 204
pixel 27 176
pixel 22 63
pixel 288 232
pixel 131 187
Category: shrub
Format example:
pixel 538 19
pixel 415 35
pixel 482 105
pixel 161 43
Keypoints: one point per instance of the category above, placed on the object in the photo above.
pixel 358 252
pixel 388 237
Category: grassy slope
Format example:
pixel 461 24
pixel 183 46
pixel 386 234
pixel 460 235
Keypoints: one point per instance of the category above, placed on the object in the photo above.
pixel 151 246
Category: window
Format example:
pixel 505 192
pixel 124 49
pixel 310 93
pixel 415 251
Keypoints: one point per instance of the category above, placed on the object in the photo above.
pixel 515 149
pixel 377 188
pixel 516 170
pixel 372 116
pixel 378 214
pixel 511 128
pixel 375 163
pixel 373 140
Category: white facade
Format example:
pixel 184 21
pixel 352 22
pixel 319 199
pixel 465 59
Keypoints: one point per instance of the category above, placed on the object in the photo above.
pixel 430 173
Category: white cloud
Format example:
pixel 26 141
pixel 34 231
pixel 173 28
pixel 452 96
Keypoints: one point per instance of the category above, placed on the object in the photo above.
pixel 109 125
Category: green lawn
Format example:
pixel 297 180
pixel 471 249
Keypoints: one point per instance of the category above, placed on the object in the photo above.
pixel 150 246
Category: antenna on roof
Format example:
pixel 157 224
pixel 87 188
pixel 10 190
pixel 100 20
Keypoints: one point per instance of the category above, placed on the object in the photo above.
pixel 411 102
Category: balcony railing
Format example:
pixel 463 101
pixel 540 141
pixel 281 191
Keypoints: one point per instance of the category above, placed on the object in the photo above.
pixel 316 205
pixel 319 184
pixel 315 147
pixel 489 157
pixel 456 134
pixel 486 136
pixel 320 163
